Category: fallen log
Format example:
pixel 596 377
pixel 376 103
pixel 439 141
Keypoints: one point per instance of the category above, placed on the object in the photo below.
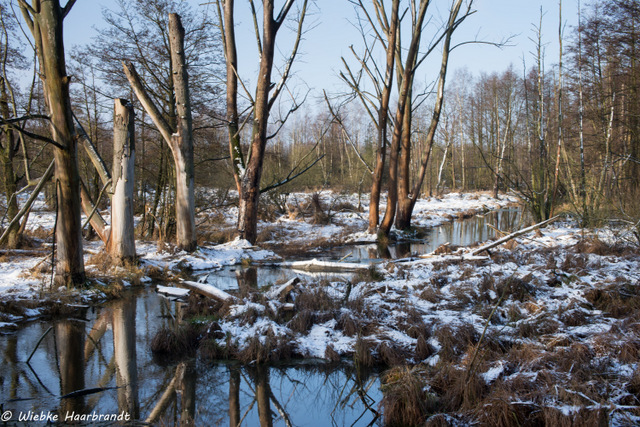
pixel 208 291
pixel 511 236
pixel 281 292
pixel 171 291
pixel 315 265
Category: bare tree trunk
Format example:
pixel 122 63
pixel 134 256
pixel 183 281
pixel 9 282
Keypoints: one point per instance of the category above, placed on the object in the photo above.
pixel 182 148
pixel 45 20
pixel 383 118
pixel 122 244
pixel 179 141
pixel 404 94
pixel 407 200
pixel 248 177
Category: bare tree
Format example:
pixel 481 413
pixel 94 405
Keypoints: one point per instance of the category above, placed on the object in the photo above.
pixel 247 168
pixel 180 138
pixel 407 194
pixel 45 21
pixel 385 32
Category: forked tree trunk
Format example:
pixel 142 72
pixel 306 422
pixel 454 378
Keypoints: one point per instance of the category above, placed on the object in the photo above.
pixel 122 244
pixel 45 20
pixel 407 200
pixel 250 181
pixel 179 140
pixel 383 119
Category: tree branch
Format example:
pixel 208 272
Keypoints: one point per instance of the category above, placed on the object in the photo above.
pixel 67 8
pixel 147 103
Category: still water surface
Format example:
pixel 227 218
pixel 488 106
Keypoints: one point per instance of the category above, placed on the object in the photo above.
pixel 99 363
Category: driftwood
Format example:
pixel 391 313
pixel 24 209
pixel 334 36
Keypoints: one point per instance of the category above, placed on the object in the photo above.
pixel 315 265
pixel 27 205
pixel 208 291
pixel 172 292
pixel 511 236
pixel 25 252
pixel 282 292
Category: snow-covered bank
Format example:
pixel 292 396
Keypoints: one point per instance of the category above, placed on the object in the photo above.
pixel 556 310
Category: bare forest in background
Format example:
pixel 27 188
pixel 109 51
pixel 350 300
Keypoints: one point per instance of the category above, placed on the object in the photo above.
pixel 563 133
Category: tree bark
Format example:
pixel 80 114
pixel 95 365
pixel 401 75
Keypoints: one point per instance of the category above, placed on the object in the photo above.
pixel 122 244
pixel 383 118
pixel 250 181
pixel 182 141
pixel 407 200
pixel 45 20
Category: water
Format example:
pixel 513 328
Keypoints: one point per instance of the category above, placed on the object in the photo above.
pixel 105 351
pixel 107 355
pixel 459 232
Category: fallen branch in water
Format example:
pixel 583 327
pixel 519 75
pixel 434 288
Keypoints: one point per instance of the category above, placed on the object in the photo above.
pixel 511 236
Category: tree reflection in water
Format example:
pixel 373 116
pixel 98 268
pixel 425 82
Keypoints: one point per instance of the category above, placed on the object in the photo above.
pixel 106 364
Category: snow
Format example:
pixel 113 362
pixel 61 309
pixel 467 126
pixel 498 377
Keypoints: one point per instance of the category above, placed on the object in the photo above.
pixel 543 288
pixel 492 374
pixel 172 291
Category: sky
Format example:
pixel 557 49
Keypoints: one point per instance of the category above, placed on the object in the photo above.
pixel 332 31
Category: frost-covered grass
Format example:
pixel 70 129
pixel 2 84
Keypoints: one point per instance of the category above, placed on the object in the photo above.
pixel 547 331
pixel 544 331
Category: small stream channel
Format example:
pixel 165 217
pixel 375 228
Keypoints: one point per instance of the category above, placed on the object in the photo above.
pixel 99 362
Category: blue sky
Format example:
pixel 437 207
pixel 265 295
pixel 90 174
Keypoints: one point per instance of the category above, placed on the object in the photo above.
pixel 333 32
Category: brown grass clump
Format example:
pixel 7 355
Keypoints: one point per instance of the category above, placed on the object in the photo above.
pixel 331 354
pixel 457 389
pixel 364 353
pixel 315 300
pixel 616 301
pixel 594 245
pixel 273 349
pixel 456 342
pixel 176 343
pixel 431 294
pixel 424 350
pixel 216 234
pixel 581 417
pixel 515 288
pixel 368 275
pixel 405 403
pixel 499 411
pixel 302 321
pixel 574 263
pixel 348 325
pixel 392 354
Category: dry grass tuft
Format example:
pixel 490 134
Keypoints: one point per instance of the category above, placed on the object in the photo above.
pixel 331 354
pixel 364 353
pixel 392 354
pixel 177 343
pixel 581 417
pixel 615 300
pixel 348 325
pixel 302 321
pixel 270 349
pixel 405 403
